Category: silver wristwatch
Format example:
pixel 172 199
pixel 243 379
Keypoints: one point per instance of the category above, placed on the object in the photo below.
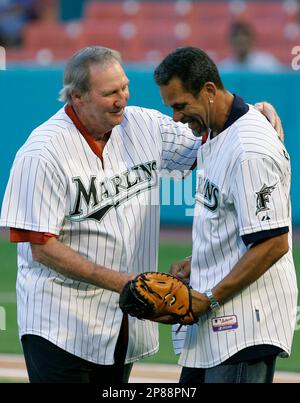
pixel 214 304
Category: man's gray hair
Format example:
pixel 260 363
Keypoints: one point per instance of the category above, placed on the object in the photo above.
pixel 76 74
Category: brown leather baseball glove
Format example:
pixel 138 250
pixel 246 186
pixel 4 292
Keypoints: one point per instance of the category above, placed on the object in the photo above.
pixel 159 297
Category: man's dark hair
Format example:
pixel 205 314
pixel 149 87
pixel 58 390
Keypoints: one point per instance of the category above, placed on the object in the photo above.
pixel 192 66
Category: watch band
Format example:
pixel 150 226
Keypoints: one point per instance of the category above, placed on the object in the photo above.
pixel 214 304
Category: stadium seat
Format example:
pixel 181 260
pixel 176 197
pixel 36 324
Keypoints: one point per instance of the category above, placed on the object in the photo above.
pixel 155 38
pixel 173 10
pixel 43 57
pixel 283 54
pixel 48 40
pixel 20 55
pixel 49 34
pixel 102 34
pixel 264 10
pixel 266 36
pixel 262 13
pixel 212 11
pixel 211 34
pixel 108 10
pixel 110 33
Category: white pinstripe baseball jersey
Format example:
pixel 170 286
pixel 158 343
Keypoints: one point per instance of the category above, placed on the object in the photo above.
pixel 243 185
pixel 109 213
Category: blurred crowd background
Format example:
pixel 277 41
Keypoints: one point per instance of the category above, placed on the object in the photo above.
pixel 237 34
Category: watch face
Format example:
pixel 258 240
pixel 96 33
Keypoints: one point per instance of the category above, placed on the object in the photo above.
pixel 214 305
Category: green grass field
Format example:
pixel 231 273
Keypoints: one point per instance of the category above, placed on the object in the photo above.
pixel 9 342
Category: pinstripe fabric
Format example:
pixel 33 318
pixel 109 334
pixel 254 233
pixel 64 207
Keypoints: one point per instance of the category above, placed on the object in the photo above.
pixel 115 224
pixel 231 201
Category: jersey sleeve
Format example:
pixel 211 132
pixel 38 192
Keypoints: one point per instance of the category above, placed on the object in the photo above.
pixel 35 198
pixel 179 147
pixel 260 191
pixel 23 235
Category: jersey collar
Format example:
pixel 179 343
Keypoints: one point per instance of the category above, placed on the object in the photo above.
pixel 96 147
pixel 238 109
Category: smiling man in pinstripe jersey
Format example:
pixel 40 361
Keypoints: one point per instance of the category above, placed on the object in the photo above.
pixel 242 270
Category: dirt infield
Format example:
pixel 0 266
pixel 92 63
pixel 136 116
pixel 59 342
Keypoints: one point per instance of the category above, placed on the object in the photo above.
pixel 12 369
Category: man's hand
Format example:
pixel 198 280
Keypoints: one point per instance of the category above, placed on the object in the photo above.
pixel 200 303
pixel 182 269
pixel 159 297
pixel 270 113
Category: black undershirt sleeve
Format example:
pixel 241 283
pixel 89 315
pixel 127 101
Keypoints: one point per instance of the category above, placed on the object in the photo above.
pixel 257 237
